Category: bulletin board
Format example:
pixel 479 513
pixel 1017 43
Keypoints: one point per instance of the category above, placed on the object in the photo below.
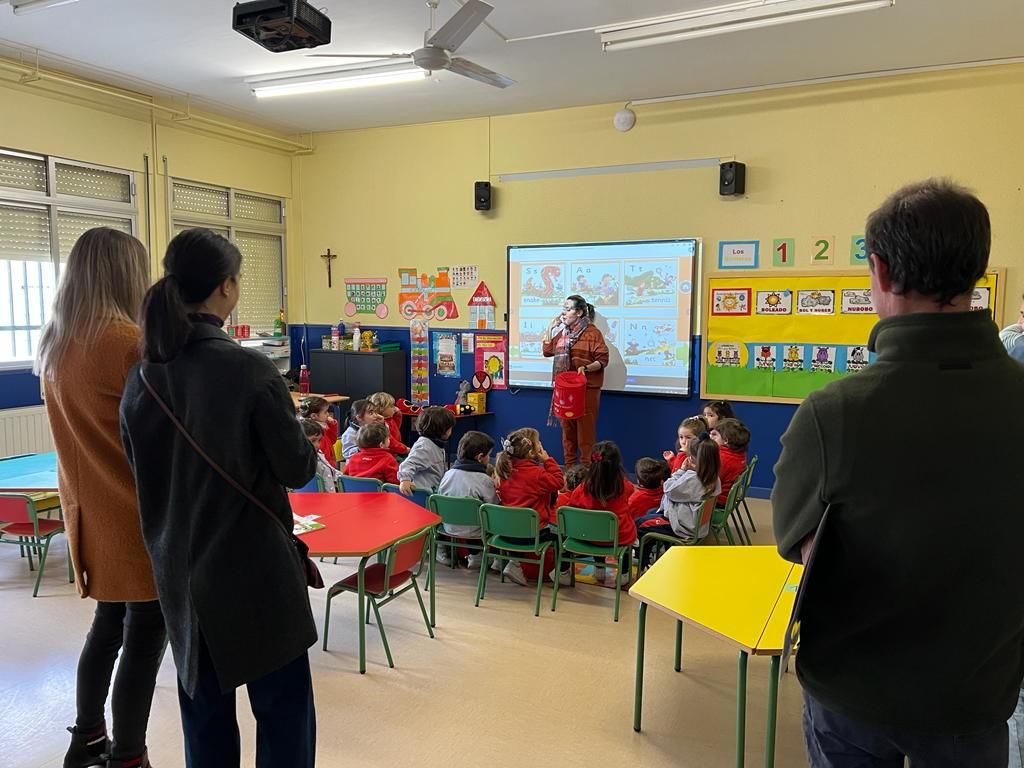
pixel 778 337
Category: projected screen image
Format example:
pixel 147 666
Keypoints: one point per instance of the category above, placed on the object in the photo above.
pixel 641 291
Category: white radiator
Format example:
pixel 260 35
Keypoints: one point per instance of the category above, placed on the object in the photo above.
pixel 24 430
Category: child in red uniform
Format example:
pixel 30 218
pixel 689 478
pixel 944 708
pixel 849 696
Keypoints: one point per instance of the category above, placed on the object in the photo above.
pixel 651 474
pixel 319 410
pixel 606 488
pixel 373 459
pixel 732 437
pixel 527 477
pixel 383 404
pixel 574 475
pixel 689 428
pixel 325 471
pixel 716 410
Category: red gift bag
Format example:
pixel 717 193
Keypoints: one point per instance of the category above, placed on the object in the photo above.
pixel 570 397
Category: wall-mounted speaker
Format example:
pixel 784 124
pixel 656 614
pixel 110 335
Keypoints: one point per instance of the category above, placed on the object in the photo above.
pixel 732 178
pixel 482 195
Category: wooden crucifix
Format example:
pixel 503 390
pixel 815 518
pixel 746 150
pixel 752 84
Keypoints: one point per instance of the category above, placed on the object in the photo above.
pixel 328 258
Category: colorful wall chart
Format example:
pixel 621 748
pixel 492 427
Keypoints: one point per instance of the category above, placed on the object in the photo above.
pixel 366 295
pixel 419 360
pixel 778 337
pixel 447 360
pixel 492 357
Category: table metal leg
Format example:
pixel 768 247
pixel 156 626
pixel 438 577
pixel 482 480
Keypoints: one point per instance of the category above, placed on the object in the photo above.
pixel 638 699
pixel 741 708
pixel 679 646
pixel 432 575
pixel 773 706
pixel 361 595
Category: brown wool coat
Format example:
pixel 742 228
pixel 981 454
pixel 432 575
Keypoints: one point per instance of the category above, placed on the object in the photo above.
pixel 589 348
pixel 97 491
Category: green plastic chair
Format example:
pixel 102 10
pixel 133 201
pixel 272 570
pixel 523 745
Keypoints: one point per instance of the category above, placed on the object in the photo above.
pixel 746 487
pixel 721 516
pixel 350 484
pixel 736 516
pixel 419 495
pixel 583 534
pixel 500 522
pixel 383 582
pixel 454 510
pixel 21 525
pixel 703 524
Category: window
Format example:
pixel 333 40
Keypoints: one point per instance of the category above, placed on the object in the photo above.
pixel 254 223
pixel 45 205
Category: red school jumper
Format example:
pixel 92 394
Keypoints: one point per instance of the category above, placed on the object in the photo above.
pixel 644 500
pixel 327 441
pixel 396 446
pixel 619 505
pixel 531 485
pixel 373 462
pixel 676 462
pixel 733 464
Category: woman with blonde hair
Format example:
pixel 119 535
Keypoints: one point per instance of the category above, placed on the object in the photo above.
pixel 86 350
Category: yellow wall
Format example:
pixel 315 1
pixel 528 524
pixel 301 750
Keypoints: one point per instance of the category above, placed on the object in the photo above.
pixel 58 121
pixel 819 159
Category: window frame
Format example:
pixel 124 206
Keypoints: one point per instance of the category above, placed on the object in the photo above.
pixel 233 225
pixel 55 203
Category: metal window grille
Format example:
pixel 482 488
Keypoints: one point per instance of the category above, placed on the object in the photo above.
pixel 94 183
pixel 22 172
pixel 71 226
pixel 261 296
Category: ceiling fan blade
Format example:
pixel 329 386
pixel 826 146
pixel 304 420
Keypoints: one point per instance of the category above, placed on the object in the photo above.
pixel 454 32
pixel 467 68
pixel 358 55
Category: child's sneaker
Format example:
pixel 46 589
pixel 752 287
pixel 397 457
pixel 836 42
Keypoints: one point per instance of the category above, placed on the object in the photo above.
pixel 443 557
pixel 564 577
pixel 514 572
pixel 496 565
pixel 473 561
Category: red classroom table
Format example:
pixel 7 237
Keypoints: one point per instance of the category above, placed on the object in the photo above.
pixel 361 525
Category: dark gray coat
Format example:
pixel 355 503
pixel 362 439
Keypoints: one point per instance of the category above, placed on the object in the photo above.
pixel 223 567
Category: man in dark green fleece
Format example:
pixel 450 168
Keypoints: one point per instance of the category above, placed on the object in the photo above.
pixel 912 633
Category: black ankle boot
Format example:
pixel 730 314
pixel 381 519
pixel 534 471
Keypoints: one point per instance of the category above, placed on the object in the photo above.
pixel 142 761
pixel 86 749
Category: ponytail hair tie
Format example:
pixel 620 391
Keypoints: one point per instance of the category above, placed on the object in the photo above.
pixel 704 436
pixel 506 444
pixel 595 457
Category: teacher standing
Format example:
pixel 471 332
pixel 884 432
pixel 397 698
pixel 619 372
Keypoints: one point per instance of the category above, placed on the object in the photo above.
pixel 577 345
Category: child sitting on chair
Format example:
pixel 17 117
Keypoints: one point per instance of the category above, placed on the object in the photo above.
pixel 606 488
pixel 326 474
pixel 468 478
pixel 427 460
pixel 689 428
pixel 319 410
pixel 360 413
pixel 732 437
pixel 527 476
pixel 650 476
pixel 685 491
pixel 373 459
pixel 383 405
pixel 574 475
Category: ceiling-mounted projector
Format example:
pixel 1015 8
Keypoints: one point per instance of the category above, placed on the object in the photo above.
pixel 282 25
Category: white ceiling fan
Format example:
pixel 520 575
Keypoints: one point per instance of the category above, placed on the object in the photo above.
pixel 440 44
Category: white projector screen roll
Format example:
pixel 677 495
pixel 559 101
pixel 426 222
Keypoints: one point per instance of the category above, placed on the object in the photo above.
pixel 642 292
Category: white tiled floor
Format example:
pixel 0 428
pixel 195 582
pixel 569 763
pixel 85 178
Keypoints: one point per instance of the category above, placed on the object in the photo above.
pixel 497 687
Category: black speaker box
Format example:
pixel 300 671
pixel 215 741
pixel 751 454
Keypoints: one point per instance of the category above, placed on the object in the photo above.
pixel 732 178
pixel 482 196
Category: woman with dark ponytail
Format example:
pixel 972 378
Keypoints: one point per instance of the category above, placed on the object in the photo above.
pixel 577 344
pixel 215 517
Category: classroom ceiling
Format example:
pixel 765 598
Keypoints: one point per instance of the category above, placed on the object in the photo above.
pixel 188 47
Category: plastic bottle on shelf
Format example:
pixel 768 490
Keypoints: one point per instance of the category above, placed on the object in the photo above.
pixel 335 339
pixel 304 379
pixel 356 337
pixel 280 327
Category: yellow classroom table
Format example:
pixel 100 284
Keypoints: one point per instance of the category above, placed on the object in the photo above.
pixel 743 595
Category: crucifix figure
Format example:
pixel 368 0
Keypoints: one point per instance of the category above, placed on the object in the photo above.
pixel 328 258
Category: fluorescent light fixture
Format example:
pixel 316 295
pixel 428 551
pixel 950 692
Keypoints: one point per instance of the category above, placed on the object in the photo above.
pixel 337 79
pixel 21 7
pixel 721 19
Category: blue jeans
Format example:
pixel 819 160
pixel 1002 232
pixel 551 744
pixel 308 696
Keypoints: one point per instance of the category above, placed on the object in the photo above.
pixel 837 741
pixel 282 703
